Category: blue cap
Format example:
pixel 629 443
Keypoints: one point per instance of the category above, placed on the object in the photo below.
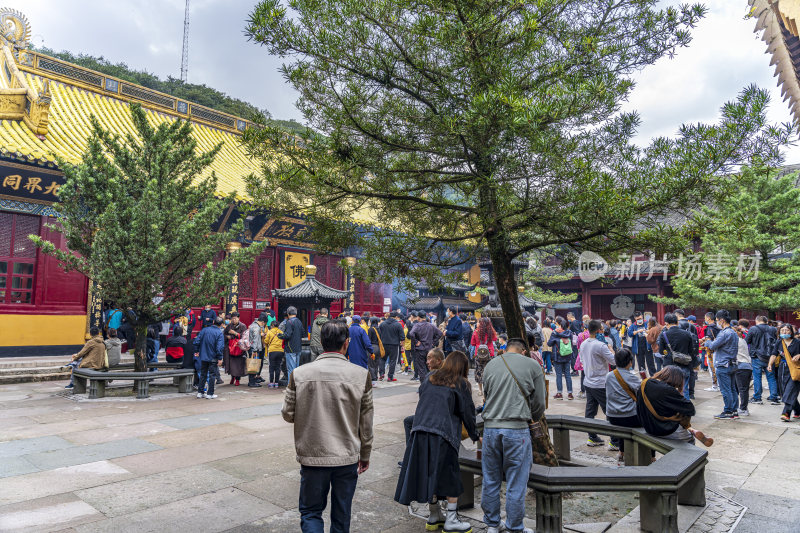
pixel 356 318
pixel 691 317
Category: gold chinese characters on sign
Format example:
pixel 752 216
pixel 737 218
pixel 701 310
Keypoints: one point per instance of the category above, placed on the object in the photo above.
pixel 294 268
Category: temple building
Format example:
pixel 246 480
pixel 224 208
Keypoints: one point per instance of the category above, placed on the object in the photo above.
pixel 45 110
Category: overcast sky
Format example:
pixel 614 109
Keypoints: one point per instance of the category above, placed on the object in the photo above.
pixel 724 56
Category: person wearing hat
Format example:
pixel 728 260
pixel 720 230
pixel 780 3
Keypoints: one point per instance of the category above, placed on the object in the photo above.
pixel 725 348
pixel 360 348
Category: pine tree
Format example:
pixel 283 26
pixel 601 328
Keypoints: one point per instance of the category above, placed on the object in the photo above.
pixel 750 247
pixel 467 128
pixel 137 214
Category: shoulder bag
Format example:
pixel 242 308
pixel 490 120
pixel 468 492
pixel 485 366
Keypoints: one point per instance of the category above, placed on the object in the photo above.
pixel 381 349
pixel 543 451
pixel 794 368
pixel 679 358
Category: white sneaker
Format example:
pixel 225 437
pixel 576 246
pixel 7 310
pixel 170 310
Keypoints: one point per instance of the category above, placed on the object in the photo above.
pixel 211 396
pixel 744 412
pixel 200 395
pixel 497 529
pixel 712 388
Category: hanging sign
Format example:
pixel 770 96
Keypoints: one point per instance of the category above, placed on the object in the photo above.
pixel 294 268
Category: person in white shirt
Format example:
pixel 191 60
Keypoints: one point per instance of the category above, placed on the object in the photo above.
pixel 595 357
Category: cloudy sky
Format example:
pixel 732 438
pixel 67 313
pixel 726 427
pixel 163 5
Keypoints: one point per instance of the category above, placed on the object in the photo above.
pixel 724 56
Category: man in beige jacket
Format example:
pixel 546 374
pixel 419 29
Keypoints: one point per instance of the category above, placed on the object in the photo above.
pixel 329 401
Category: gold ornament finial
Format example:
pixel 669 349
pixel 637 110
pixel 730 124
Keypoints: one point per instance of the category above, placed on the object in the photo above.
pixel 15 29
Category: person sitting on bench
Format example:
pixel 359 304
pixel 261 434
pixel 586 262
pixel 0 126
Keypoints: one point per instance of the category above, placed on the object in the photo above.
pixel 92 355
pixel 664 411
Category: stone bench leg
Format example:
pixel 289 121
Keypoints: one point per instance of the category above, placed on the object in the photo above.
pixel 185 383
pixel 548 512
pixel 629 454
pixel 467 498
pixel 693 492
pixel 658 511
pixel 561 443
pixel 642 455
pixel 97 388
pixel 143 388
pixel 79 385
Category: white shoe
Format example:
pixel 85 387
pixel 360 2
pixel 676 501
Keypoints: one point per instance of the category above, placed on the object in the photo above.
pixel 744 412
pixel 211 396
pixel 712 388
pixel 436 518
pixel 452 524
pixel 497 529
pixel 201 395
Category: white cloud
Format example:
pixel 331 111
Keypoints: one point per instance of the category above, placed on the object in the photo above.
pixel 724 57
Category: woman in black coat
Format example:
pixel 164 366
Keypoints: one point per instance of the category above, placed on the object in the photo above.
pixel 787 343
pixel 430 470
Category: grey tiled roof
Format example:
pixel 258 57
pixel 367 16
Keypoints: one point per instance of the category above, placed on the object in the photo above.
pixel 310 289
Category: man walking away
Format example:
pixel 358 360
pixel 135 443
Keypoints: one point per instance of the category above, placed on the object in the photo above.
pixel 674 340
pixel 513 385
pixel 392 335
pixel 329 401
pixel 595 357
pixel 726 348
pixel 293 335
pixel 761 340
pixel 316 329
pixel 210 344
pixel 424 338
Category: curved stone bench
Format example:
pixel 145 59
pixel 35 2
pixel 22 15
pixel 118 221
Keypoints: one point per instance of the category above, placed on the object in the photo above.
pixel 97 380
pixel 676 478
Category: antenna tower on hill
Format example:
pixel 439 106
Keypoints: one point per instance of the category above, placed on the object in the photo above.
pixel 185 55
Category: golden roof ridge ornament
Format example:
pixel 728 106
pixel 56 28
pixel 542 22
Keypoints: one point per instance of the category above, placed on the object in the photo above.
pixel 15 30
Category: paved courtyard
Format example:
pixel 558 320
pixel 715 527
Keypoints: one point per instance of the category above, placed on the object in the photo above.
pixel 177 463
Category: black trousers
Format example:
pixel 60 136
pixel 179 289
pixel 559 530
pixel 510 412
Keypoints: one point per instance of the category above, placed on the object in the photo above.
pixel 315 483
pixel 420 364
pixel 645 358
pixel 626 422
pixel 275 359
pixel 595 398
pixel 743 378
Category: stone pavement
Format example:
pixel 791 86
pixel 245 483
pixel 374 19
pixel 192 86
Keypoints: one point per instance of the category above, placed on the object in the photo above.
pixel 177 463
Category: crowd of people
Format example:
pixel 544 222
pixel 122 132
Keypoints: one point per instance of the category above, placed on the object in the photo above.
pixel 639 372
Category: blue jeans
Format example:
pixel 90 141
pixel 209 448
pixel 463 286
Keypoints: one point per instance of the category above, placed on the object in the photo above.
pixel 562 369
pixel 687 376
pixel 505 451
pixel 315 482
pixel 726 379
pixel 760 366
pixel 291 362
pixel 547 360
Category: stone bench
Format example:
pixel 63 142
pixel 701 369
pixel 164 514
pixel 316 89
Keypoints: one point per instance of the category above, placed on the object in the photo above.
pixel 676 478
pixel 97 380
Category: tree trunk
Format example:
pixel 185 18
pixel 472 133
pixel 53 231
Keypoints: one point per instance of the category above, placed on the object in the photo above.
pixel 506 286
pixel 140 351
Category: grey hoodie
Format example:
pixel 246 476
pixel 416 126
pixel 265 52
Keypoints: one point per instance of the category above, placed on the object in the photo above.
pixel 316 330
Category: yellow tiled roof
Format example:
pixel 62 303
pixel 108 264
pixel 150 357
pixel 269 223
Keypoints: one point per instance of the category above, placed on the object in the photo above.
pixel 69 128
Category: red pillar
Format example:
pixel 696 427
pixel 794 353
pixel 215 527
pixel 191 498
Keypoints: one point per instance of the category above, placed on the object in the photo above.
pixel 660 306
pixel 586 302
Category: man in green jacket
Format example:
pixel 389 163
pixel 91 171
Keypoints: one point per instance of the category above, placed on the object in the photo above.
pixel 514 392
pixel 316 328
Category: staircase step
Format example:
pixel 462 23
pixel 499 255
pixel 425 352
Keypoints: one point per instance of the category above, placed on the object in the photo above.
pixel 30 378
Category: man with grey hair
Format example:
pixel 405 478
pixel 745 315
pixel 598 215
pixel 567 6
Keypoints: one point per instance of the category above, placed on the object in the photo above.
pixel 293 333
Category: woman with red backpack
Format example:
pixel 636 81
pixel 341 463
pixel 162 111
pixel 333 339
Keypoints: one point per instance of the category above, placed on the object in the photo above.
pixel 483 339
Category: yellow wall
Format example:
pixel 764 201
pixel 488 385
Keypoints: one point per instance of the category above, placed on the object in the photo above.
pixel 42 330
